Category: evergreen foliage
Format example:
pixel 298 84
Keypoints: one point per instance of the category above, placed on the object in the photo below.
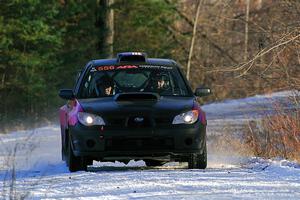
pixel 30 44
pixel 43 45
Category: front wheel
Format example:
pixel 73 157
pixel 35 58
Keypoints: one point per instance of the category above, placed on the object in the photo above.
pixel 63 149
pixel 197 160
pixel 75 163
pixel 153 163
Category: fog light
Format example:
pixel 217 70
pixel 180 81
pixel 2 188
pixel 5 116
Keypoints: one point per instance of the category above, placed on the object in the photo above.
pixel 188 141
pixel 90 143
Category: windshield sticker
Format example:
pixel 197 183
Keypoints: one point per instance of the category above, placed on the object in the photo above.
pixel 105 68
pixel 155 67
pixel 109 68
pixel 127 67
pixel 120 67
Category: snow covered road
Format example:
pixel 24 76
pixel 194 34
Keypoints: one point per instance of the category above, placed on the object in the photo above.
pixel 40 173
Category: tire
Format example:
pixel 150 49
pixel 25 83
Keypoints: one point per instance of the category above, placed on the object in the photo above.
pixel 75 163
pixel 153 163
pixel 88 161
pixel 63 151
pixel 62 154
pixel 197 160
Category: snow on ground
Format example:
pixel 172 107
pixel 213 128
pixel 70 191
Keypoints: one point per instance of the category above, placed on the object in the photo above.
pixel 232 115
pixel 40 173
pixel 251 107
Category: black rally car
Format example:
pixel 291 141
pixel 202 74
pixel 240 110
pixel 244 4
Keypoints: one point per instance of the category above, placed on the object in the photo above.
pixel 132 107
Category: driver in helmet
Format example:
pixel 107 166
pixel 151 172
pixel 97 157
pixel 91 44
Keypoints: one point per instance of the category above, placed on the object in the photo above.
pixel 162 82
pixel 159 82
pixel 105 86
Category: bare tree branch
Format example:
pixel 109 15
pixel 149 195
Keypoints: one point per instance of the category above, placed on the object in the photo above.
pixel 220 49
pixel 188 68
pixel 258 55
pixel 181 14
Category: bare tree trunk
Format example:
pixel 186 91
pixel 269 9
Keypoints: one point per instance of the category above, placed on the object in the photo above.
pixel 3 80
pixel 246 30
pixel 106 24
pixel 188 69
pixel 110 28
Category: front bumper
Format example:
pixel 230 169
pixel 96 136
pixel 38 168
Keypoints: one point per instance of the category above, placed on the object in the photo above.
pixel 105 143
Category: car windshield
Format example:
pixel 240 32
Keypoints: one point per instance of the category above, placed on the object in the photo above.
pixel 104 81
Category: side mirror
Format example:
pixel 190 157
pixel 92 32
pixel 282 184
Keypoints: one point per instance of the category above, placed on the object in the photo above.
pixel 202 91
pixel 66 94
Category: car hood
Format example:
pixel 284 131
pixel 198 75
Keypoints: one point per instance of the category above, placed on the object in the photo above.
pixel 163 106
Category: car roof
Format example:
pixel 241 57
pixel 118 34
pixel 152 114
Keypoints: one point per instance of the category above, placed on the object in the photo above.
pixel 149 61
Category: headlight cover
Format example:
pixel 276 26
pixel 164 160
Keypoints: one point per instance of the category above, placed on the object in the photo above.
pixel 189 117
pixel 89 119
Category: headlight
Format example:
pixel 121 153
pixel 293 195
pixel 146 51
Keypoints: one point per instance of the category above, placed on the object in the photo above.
pixel 189 117
pixel 88 119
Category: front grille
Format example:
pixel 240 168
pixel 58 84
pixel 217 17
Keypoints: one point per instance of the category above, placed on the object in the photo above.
pixel 138 122
pixel 163 121
pixel 116 122
pixel 132 144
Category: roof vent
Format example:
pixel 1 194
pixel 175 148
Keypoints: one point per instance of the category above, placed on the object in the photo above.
pixel 131 57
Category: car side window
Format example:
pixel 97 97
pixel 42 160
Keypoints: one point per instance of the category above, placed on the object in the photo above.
pixel 86 86
pixel 80 78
